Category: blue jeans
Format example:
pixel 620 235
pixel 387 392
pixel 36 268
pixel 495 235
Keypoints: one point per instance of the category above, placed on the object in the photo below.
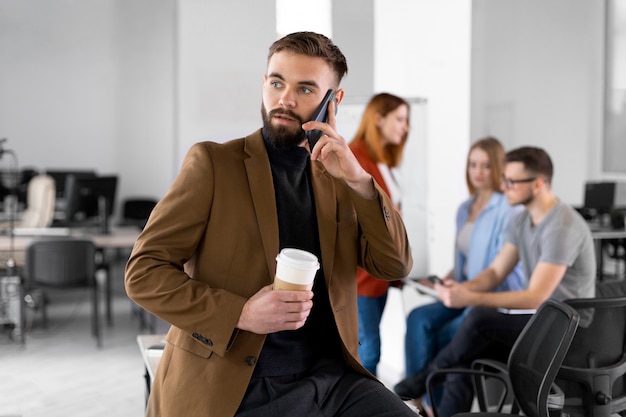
pixel 370 312
pixel 428 329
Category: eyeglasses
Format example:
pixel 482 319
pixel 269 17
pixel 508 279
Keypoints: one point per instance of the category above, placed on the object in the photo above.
pixel 509 183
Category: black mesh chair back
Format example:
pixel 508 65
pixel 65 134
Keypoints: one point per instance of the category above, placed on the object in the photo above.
pixel 135 211
pixel 534 361
pixel 592 374
pixel 63 263
pixel 538 353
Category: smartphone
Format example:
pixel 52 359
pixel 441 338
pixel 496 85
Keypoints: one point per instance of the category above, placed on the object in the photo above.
pixel 434 279
pixel 321 115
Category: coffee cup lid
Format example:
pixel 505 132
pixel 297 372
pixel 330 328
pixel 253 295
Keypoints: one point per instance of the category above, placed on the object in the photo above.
pixel 298 258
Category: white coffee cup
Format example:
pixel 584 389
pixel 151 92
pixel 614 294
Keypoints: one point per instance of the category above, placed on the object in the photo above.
pixel 295 270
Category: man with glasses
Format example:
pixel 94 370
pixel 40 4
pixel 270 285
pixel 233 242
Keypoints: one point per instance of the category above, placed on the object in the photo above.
pixel 555 246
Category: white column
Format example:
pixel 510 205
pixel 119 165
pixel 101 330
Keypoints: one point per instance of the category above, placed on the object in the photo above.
pixel 422 49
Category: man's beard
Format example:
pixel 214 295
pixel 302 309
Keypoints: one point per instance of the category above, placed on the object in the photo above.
pixel 281 136
pixel 524 201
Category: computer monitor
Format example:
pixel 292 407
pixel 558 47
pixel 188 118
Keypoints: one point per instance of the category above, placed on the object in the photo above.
pixel 90 199
pixel 60 178
pixel 599 196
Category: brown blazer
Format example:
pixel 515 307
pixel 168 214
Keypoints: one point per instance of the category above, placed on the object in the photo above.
pixel 211 243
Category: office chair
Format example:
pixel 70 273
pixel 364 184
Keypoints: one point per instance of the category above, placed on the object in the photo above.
pixel 532 365
pixel 592 374
pixel 135 211
pixel 59 263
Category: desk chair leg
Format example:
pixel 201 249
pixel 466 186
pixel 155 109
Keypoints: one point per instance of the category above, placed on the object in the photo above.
pixel 108 294
pixel 44 310
pixel 103 271
pixel 103 266
pixel 95 314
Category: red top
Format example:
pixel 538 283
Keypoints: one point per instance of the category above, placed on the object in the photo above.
pixel 367 284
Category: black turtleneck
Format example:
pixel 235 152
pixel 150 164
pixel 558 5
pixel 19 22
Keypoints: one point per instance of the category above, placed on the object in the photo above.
pixel 290 352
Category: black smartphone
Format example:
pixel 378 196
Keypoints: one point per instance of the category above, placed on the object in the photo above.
pixel 434 279
pixel 320 115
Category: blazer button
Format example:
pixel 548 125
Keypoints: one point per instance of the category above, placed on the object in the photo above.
pixel 203 339
pixel 250 360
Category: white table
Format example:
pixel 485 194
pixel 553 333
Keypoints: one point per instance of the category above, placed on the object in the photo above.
pixel 598 236
pixel 151 348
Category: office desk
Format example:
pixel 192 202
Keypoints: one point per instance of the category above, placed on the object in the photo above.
pixel 118 238
pixel 151 348
pixel 600 234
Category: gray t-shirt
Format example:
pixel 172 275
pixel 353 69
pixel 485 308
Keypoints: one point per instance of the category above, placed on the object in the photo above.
pixel 563 238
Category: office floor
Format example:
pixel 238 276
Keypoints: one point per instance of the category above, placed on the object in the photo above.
pixel 60 372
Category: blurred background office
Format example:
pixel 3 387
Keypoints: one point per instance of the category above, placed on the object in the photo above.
pixel 124 87
pixel 127 86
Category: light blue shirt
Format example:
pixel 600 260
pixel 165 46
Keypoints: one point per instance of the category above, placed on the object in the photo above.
pixel 488 236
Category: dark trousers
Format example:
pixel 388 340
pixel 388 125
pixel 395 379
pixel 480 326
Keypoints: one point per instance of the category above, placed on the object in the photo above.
pixel 328 389
pixel 484 333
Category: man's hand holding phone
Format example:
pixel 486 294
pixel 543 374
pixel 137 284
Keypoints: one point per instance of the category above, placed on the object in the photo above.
pixel 329 148
pixel 321 115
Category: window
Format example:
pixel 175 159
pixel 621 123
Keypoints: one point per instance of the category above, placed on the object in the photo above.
pixel 614 158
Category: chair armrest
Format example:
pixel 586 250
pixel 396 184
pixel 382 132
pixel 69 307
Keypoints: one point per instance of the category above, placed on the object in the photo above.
pixel 483 364
pixel 433 377
pixel 588 375
pixel 480 386
pixel 605 302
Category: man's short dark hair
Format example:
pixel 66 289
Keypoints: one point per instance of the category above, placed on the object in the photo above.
pixel 535 160
pixel 314 45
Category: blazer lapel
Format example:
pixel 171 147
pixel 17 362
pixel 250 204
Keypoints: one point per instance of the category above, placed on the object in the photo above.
pixel 262 190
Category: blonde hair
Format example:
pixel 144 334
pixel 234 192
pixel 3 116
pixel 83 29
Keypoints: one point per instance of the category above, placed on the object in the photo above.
pixel 495 152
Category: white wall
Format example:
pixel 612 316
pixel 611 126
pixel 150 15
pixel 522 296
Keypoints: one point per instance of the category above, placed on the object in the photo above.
pixel 423 50
pixel 127 86
pixel 537 73
pixel 90 85
pixel 57 79
pixel 145 36
pixel 123 86
pixel 220 66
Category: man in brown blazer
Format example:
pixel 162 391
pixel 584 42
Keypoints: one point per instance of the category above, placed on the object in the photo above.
pixel 205 261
